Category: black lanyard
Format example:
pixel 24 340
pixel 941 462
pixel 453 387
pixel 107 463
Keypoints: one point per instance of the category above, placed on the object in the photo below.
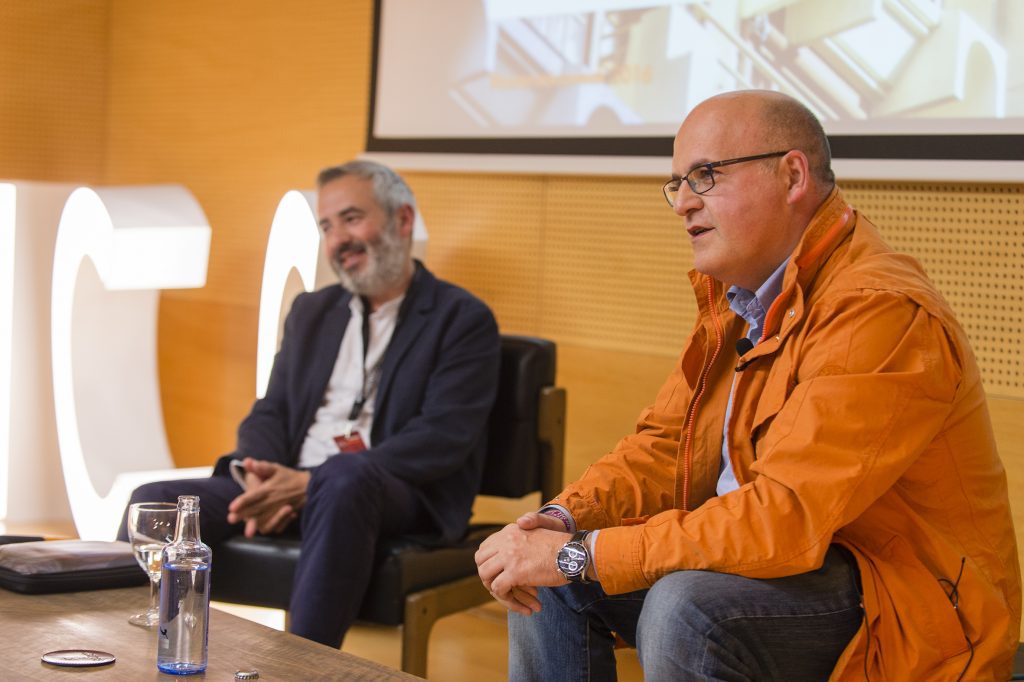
pixel 369 380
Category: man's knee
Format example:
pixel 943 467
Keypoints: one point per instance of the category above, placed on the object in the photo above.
pixel 678 612
pixel 214 492
pixel 156 491
pixel 705 621
pixel 679 601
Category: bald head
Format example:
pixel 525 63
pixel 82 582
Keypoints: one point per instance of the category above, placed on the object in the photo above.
pixel 758 168
pixel 778 121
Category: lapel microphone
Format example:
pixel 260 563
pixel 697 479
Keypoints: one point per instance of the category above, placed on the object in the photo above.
pixel 744 346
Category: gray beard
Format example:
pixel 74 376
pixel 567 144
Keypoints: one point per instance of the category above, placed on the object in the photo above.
pixel 387 260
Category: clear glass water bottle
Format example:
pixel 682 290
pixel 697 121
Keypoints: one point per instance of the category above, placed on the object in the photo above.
pixel 184 596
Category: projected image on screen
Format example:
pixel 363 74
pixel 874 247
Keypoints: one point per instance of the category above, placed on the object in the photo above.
pixel 606 68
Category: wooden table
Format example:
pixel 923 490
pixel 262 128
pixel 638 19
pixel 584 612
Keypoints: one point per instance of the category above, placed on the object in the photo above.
pixel 31 625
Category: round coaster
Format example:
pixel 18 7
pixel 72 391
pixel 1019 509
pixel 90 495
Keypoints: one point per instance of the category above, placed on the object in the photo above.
pixel 78 658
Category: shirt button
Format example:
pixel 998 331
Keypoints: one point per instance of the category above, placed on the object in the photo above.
pixel 792 312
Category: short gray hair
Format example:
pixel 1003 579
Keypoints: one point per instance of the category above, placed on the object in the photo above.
pixel 789 124
pixel 389 189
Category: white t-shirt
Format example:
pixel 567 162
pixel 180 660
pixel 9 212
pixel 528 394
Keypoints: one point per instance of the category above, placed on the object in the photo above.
pixel 346 382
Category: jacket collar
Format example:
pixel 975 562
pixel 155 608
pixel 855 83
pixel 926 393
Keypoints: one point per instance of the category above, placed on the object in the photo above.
pixel 828 228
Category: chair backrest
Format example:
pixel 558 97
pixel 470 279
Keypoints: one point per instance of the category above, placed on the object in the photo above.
pixel 527 426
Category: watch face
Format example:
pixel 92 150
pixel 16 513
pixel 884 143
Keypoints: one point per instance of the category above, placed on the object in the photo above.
pixel 572 560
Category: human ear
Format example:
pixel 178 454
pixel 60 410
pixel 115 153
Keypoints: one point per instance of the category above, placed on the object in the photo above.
pixel 797 172
pixel 405 217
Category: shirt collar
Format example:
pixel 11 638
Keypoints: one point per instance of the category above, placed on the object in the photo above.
pixel 753 306
pixel 390 308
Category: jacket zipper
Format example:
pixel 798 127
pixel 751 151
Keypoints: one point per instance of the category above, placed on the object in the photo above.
pixel 702 385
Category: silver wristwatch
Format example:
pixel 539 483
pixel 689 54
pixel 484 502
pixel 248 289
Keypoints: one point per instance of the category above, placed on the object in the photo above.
pixel 573 558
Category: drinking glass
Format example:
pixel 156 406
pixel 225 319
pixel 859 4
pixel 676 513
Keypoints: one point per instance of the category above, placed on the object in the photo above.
pixel 150 527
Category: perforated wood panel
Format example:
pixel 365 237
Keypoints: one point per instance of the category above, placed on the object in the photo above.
pixel 615 265
pixel 601 262
pixel 53 84
pixel 486 233
pixel 970 240
pixel 241 102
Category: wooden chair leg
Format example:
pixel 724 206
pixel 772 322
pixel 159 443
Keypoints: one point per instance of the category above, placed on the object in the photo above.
pixel 415 644
pixel 422 609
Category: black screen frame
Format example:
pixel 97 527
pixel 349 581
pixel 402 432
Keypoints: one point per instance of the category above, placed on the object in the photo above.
pixel 888 147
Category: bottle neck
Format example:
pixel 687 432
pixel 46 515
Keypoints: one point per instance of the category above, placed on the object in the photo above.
pixel 187 529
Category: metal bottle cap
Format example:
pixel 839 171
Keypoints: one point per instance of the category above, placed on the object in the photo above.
pixel 247 675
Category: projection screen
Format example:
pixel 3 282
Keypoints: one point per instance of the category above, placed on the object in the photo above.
pixel 890 79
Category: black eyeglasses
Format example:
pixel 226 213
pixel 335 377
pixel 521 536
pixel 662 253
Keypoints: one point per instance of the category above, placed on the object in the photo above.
pixel 701 178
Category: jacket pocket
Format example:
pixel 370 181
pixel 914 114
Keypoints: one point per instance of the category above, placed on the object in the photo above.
pixel 921 601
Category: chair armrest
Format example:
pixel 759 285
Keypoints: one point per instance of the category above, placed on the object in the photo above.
pixel 551 433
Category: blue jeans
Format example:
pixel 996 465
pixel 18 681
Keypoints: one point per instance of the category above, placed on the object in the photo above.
pixel 695 625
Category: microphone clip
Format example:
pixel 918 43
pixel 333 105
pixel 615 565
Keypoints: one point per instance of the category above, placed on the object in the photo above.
pixel 744 346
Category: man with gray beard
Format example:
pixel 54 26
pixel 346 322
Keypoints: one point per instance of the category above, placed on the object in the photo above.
pixel 374 422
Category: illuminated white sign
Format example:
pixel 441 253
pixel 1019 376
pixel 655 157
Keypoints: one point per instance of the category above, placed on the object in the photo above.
pixel 90 281
pixel 139 239
pixel 7 220
pixel 294 243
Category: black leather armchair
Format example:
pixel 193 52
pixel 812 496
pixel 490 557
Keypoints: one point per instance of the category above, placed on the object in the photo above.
pixel 414 585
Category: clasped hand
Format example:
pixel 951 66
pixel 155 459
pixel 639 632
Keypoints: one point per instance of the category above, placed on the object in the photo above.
pixel 273 496
pixel 519 558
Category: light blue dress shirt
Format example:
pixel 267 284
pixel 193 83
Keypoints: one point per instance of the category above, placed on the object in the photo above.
pixel 752 307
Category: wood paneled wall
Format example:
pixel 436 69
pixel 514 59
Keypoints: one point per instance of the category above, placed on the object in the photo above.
pixel 53 87
pixel 241 102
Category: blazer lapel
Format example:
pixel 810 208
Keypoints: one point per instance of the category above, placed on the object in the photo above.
pixel 323 352
pixel 416 316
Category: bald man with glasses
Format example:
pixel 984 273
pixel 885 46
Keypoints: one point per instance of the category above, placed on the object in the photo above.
pixel 815 491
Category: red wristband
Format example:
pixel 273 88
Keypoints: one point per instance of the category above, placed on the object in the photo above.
pixel 558 514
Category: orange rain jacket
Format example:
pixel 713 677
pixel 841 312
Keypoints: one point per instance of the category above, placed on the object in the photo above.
pixel 861 420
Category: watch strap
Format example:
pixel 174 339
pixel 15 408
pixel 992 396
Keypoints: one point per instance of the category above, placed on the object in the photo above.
pixel 579 539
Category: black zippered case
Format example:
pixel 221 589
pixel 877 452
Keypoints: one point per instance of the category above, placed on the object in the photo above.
pixel 32 566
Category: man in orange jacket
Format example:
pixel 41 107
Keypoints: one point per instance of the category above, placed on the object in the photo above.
pixel 815 491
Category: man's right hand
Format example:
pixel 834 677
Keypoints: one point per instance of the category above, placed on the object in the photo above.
pixel 519 558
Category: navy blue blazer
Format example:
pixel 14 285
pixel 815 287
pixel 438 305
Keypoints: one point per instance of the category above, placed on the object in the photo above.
pixel 438 382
